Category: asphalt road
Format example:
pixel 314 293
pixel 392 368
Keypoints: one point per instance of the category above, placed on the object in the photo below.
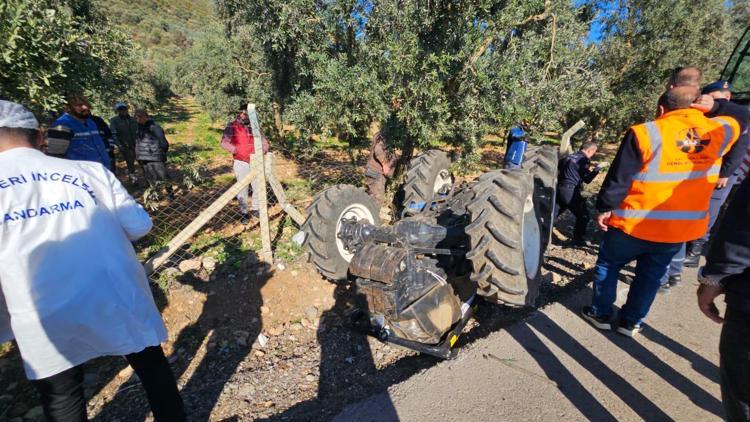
pixel 554 366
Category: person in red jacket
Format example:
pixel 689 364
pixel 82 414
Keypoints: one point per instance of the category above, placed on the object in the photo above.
pixel 238 140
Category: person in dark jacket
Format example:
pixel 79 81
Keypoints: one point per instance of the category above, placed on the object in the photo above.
pixel 575 170
pixel 106 134
pixel 124 130
pixel 151 148
pixel 380 166
pixel 730 173
pixel 727 272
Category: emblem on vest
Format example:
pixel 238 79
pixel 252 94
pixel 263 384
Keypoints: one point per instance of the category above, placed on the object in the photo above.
pixel 692 142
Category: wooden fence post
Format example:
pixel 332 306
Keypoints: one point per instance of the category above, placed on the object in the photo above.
pixel 204 217
pixel 265 255
pixel 565 146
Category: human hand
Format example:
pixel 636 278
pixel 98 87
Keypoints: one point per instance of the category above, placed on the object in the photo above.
pixel 722 182
pixel 602 219
pixel 704 103
pixel 387 170
pixel 706 296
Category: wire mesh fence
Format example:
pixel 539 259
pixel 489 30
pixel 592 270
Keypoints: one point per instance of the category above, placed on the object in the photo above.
pixel 229 239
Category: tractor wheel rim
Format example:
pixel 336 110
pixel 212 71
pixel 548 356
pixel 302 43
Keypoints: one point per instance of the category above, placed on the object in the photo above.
pixel 532 241
pixel 361 213
pixel 443 178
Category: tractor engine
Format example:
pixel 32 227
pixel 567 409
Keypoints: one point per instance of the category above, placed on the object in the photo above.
pixel 398 270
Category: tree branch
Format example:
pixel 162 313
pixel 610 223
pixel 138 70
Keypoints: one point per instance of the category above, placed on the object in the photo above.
pixel 491 37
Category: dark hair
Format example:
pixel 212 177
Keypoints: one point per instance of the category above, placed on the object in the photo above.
pixel 72 97
pixel 588 144
pixel 680 97
pixel 687 75
pixel 243 107
pixel 141 112
pixel 28 135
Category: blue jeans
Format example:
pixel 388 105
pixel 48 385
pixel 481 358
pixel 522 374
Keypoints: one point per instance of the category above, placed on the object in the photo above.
pixel 675 266
pixel 652 260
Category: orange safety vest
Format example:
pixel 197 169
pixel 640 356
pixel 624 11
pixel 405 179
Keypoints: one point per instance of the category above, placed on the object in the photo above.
pixel 668 199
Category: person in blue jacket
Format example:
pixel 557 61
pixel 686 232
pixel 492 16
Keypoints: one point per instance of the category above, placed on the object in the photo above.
pixel 86 143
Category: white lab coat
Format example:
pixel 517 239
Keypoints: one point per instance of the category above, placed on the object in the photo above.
pixel 72 286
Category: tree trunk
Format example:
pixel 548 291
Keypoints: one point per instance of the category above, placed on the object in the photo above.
pixel 277 121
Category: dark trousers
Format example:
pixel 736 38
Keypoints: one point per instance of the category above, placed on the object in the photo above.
pixel 156 171
pixel 63 400
pixel 376 187
pixel 569 198
pixel 734 351
pixel 128 154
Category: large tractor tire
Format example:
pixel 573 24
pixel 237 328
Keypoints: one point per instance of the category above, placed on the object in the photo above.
pixel 323 222
pixel 506 243
pixel 428 174
pixel 541 162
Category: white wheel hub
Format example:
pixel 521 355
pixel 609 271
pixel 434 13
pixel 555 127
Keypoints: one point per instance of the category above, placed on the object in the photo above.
pixel 361 213
pixel 443 178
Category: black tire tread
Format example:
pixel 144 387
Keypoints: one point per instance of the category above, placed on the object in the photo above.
pixel 495 231
pixel 421 174
pixel 320 227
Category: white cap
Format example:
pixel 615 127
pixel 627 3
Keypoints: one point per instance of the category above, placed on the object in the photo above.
pixel 14 115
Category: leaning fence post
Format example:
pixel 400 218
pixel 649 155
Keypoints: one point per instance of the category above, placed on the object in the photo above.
pixel 266 255
pixel 565 147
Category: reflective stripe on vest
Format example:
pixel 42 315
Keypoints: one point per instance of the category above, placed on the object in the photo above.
pixel 661 215
pixel 728 134
pixel 669 196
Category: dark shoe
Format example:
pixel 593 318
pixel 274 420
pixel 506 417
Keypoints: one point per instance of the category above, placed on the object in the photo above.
pixel 664 288
pixel 674 280
pixel 627 328
pixel 577 243
pixel 693 253
pixel 692 261
pixel 600 322
pixel 245 218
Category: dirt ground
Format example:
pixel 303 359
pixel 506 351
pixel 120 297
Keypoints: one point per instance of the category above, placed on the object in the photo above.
pixel 273 344
pixel 250 342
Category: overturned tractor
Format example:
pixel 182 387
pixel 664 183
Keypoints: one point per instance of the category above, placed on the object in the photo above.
pixel 421 275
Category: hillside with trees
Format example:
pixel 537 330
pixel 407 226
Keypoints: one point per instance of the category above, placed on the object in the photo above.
pixel 426 72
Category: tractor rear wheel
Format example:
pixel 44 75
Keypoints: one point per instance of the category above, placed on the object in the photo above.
pixel 428 174
pixel 506 241
pixel 541 162
pixel 323 223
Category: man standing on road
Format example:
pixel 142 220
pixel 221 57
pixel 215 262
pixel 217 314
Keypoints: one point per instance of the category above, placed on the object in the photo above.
pixel 380 166
pixel 727 272
pixel 655 198
pixel 72 287
pixel 575 170
pixel 151 149
pixel 125 130
pixel 731 170
pixel 238 140
pixel 86 143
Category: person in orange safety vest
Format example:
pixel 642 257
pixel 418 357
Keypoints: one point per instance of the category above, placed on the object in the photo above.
pixel 655 197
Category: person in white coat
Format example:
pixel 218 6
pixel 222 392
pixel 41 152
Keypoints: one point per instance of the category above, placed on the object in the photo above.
pixel 72 287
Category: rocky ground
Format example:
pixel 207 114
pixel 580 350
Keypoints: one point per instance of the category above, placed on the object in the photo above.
pixel 272 343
